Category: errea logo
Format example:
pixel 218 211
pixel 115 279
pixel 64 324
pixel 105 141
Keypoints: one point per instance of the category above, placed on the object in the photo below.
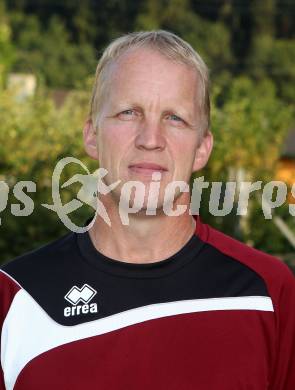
pixel 81 295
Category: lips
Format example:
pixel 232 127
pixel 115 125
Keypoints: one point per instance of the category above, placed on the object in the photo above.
pixel 145 167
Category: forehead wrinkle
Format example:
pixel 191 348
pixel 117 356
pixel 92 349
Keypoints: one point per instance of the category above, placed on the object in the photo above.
pixel 139 58
pixel 153 86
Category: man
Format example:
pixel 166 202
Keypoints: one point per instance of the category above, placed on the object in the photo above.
pixel 165 301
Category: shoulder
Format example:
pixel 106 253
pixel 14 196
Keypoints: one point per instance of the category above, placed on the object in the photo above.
pixel 274 272
pixel 39 274
pixel 33 264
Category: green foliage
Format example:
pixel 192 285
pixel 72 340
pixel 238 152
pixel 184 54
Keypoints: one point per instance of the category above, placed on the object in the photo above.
pixel 49 53
pixel 211 40
pixel 249 123
pixel 6 48
pixel 34 137
pixel 274 58
pixel 264 234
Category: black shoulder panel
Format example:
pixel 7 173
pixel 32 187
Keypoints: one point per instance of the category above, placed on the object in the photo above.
pixel 69 273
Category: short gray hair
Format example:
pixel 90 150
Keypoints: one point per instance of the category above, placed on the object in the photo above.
pixel 170 46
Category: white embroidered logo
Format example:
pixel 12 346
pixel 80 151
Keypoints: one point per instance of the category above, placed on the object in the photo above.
pixel 84 294
pixel 80 295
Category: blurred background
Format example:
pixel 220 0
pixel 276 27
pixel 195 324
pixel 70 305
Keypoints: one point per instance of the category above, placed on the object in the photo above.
pixel 48 54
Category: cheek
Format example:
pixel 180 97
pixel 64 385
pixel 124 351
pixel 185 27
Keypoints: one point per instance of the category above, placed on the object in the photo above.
pixel 108 142
pixel 183 159
pixel 116 136
pixel 113 146
pixel 184 151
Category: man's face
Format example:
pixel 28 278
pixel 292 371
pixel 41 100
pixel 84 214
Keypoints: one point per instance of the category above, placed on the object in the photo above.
pixel 149 122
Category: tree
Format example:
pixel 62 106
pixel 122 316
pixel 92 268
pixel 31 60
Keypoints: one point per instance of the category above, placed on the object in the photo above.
pixel 49 53
pixel 211 40
pixel 6 48
pixel 34 136
pixel 249 127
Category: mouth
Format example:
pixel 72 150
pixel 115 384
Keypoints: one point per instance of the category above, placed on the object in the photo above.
pixel 146 168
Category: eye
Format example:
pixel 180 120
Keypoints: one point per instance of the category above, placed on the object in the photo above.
pixel 127 114
pixel 175 118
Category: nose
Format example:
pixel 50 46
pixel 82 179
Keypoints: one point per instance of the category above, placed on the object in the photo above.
pixel 150 136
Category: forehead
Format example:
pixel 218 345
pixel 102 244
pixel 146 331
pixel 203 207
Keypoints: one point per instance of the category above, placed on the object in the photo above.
pixel 146 70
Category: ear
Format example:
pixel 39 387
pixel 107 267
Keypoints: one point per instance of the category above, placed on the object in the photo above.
pixel 203 152
pixel 90 139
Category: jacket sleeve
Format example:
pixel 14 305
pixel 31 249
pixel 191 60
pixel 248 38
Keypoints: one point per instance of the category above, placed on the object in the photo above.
pixel 283 373
pixel 8 289
pixel 2 384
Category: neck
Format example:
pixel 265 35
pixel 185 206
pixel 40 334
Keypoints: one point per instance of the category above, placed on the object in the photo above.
pixel 145 239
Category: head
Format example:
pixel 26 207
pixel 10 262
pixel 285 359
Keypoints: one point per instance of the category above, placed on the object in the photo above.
pixel 150 110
